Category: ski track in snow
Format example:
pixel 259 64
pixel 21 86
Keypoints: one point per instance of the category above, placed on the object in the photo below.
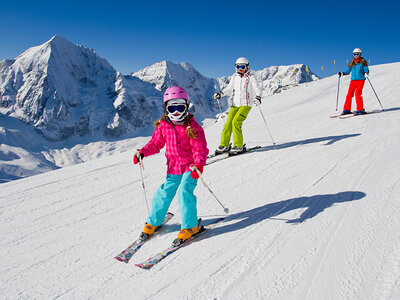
pixel 267 245
pixel 271 245
pixel 313 217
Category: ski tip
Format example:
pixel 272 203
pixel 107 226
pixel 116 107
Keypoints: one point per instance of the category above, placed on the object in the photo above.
pixel 143 267
pixel 120 259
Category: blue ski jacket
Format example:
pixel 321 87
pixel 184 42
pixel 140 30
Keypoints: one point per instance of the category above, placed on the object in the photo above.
pixel 357 71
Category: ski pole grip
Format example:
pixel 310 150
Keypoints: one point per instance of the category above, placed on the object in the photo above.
pixel 141 162
pixel 195 168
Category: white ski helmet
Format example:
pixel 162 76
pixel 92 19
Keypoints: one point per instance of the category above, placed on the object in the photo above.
pixel 357 50
pixel 242 61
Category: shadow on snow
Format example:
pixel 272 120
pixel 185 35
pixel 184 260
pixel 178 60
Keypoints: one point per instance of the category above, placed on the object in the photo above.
pixel 390 109
pixel 313 204
pixel 328 139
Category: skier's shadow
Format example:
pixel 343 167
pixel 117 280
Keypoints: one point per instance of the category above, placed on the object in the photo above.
pixel 390 109
pixel 313 204
pixel 328 139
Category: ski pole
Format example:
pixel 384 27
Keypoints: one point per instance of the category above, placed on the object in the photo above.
pixel 220 109
pixel 266 125
pixel 226 210
pixel 374 91
pixel 337 94
pixel 144 188
pixel 219 106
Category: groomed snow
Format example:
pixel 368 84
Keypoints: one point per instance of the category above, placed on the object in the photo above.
pixel 315 217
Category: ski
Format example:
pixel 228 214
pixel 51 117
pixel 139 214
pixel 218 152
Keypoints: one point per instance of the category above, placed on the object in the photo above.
pixel 247 150
pixel 127 254
pixel 347 116
pixel 337 116
pixel 353 114
pixel 163 254
pixel 343 115
pixel 213 158
pixel 226 155
pixel 215 155
pixel 218 154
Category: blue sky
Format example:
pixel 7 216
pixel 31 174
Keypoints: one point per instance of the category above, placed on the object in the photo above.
pixel 209 34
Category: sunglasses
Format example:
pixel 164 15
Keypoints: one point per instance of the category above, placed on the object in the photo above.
pixel 176 108
pixel 356 54
pixel 241 67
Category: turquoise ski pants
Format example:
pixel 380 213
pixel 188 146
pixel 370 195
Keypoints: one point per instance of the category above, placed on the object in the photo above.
pixel 165 194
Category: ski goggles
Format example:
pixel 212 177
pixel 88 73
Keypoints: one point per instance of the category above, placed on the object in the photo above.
pixel 356 54
pixel 241 67
pixel 176 108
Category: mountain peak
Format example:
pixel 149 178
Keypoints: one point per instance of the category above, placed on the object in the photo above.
pixel 166 73
pixel 58 38
pixel 59 42
pixel 52 85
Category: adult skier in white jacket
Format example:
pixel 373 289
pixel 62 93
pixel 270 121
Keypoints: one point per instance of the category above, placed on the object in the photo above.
pixel 246 91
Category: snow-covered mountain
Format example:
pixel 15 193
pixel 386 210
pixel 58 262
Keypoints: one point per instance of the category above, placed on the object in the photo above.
pixel 274 79
pixel 67 90
pixel 199 88
pixel 58 97
pixel 316 216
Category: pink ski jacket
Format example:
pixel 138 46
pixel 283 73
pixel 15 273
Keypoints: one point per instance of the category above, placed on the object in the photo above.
pixel 181 151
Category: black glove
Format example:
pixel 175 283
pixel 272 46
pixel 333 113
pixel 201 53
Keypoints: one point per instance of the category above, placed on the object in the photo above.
pixel 217 95
pixel 257 101
pixel 340 74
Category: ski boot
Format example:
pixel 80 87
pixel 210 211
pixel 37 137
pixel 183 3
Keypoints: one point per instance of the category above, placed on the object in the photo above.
pixel 222 149
pixel 236 150
pixel 346 112
pixel 360 112
pixel 147 231
pixel 184 234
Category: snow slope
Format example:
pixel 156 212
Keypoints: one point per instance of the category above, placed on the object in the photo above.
pixel 315 217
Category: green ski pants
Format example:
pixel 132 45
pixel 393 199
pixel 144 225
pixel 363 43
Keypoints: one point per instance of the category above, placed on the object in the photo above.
pixel 236 117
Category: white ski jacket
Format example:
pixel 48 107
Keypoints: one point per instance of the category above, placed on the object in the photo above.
pixel 244 88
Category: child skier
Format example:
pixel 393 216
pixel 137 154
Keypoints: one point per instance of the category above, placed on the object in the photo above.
pixel 186 147
pixel 245 90
pixel 358 68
